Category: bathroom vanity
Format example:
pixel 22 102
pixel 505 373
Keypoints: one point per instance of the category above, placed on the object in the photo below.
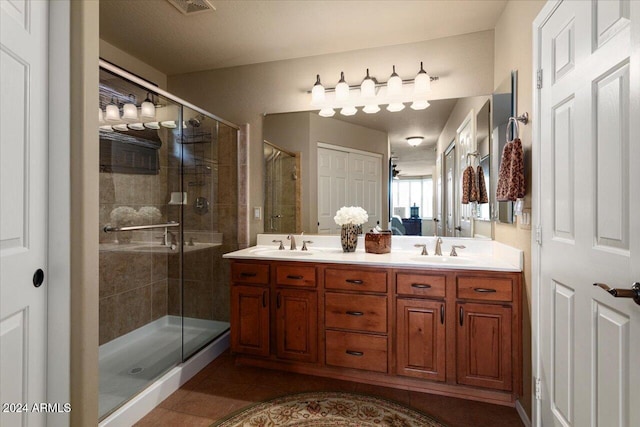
pixel 434 324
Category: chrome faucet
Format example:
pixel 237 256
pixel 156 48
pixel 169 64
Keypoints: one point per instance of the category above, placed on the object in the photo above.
pixel 281 247
pixel 439 246
pixel 304 244
pixel 424 248
pixel 453 249
pixel 293 242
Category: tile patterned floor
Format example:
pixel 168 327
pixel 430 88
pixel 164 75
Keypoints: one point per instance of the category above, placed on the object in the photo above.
pixel 222 388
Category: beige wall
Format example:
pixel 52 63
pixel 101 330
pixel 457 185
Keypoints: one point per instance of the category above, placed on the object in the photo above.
pixel 513 51
pixel 122 59
pixel 243 94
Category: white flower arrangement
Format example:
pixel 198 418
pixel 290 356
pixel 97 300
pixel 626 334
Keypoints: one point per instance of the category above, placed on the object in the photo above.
pixel 123 215
pixel 351 215
pixel 149 215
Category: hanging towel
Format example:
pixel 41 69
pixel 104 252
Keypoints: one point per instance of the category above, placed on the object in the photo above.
pixel 469 186
pixel 483 197
pixel 511 184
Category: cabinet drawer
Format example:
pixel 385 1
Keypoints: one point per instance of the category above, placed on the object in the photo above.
pixel 485 288
pixel 250 273
pixel 356 312
pixel 358 351
pixel 296 276
pixel 355 280
pixel 425 285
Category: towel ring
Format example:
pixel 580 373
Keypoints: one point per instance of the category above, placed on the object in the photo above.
pixel 514 121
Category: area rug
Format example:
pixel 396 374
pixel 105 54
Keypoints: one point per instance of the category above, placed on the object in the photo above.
pixel 328 409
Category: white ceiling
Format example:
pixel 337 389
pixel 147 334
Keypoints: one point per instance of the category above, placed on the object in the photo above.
pixel 249 32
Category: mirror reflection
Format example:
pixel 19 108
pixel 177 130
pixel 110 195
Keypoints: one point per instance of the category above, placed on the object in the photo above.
pixel 410 186
pixel 281 190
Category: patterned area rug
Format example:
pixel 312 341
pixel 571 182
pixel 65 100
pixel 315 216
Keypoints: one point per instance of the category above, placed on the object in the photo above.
pixel 328 409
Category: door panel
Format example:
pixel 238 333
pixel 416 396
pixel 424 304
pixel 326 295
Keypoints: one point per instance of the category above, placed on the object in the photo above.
pixel 23 206
pixel 588 138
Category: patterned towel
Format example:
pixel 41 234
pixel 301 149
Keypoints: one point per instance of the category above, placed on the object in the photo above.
pixel 483 197
pixel 511 184
pixel 469 186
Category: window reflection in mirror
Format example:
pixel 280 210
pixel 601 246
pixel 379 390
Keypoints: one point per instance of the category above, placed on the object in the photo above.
pixel 281 190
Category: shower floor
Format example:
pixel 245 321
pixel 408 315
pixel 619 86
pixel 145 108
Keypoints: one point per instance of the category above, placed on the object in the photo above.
pixel 132 362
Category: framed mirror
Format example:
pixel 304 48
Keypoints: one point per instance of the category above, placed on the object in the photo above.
pixel 282 188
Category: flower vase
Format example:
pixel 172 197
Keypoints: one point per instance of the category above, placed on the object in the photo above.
pixel 349 237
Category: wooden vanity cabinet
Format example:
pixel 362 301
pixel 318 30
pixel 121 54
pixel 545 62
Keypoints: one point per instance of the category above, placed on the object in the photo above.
pixel 250 309
pixel 296 325
pixel 420 325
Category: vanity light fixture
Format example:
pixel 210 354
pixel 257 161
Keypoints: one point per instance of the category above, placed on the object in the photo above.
pixel 152 125
pixel 414 141
pixel 370 94
pixel 148 108
pixel 136 126
pixel 122 127
pixel 112 111
pixel 129 110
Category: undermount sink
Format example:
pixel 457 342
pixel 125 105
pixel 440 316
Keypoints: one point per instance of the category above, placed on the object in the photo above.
pixel 442 260
pixel 286 253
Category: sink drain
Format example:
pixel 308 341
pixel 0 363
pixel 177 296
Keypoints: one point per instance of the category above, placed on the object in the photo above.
pixel 134 371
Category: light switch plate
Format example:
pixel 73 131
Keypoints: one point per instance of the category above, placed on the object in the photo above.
pixel 524 220
pixel 257 213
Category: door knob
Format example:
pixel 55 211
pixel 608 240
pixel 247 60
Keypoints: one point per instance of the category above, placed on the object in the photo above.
pixel 38 278
pixel 459 228
pixel 634 292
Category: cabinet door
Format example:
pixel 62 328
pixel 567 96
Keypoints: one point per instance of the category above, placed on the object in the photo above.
pixel 484 345
pixel 421 350
pixel 297 325
pixel 250 320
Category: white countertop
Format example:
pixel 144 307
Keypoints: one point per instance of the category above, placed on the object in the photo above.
pixel 479 254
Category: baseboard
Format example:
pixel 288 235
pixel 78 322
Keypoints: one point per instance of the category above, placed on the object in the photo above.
pixel 132 411
pixel 523 414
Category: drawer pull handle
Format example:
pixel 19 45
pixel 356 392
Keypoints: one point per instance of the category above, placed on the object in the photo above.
pixel 355 353
pixel 461 316
pixel 355 313
pixel 484 290
pixel 355 281
pixel 245 274
pixel 420 286
pixel 294 277
pixel 442 314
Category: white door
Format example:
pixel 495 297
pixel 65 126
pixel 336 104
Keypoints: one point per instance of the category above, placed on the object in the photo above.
pixel 23 197
pixel 466 144
pixel 333 169
pixel 589 341
pixel 364 185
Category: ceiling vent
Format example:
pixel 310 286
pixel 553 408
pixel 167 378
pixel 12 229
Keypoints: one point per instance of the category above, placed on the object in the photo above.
pixel 191 7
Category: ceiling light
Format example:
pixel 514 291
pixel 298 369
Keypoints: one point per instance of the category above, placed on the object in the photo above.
pixel 148 108
pixel 422 82
pixel 394 85
pixel 317 93
pixel 395 107
pixel 342 89
pixel 414 141
pixel 129 110
pixel 420 105
pixel 112 111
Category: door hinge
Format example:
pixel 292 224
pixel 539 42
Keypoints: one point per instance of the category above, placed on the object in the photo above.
pixel 539 235
pixel 539 79
pixel 538 389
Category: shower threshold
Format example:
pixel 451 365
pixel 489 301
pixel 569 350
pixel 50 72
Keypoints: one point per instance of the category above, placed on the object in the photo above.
pixel 132 362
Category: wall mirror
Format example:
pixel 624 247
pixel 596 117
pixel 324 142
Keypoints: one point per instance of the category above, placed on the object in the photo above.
pixel 281 190
pixel 408 177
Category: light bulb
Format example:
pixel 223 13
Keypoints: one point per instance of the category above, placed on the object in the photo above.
pixel 112 111
pixel 422 82
pixel 327 112
pixel 394 85
pixel 371 108
pixel 420 105
pixel 348 111
pixel 147 109
pixel 342 89
pixel 394 107
pixel 368 87
pixel 317 93
pixel 129 110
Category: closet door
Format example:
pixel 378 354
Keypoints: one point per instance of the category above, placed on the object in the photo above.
pixel 364 185
pixel 332 187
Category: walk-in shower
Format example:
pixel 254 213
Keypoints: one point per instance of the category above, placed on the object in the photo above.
pixel 281 190
pixel 168 211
